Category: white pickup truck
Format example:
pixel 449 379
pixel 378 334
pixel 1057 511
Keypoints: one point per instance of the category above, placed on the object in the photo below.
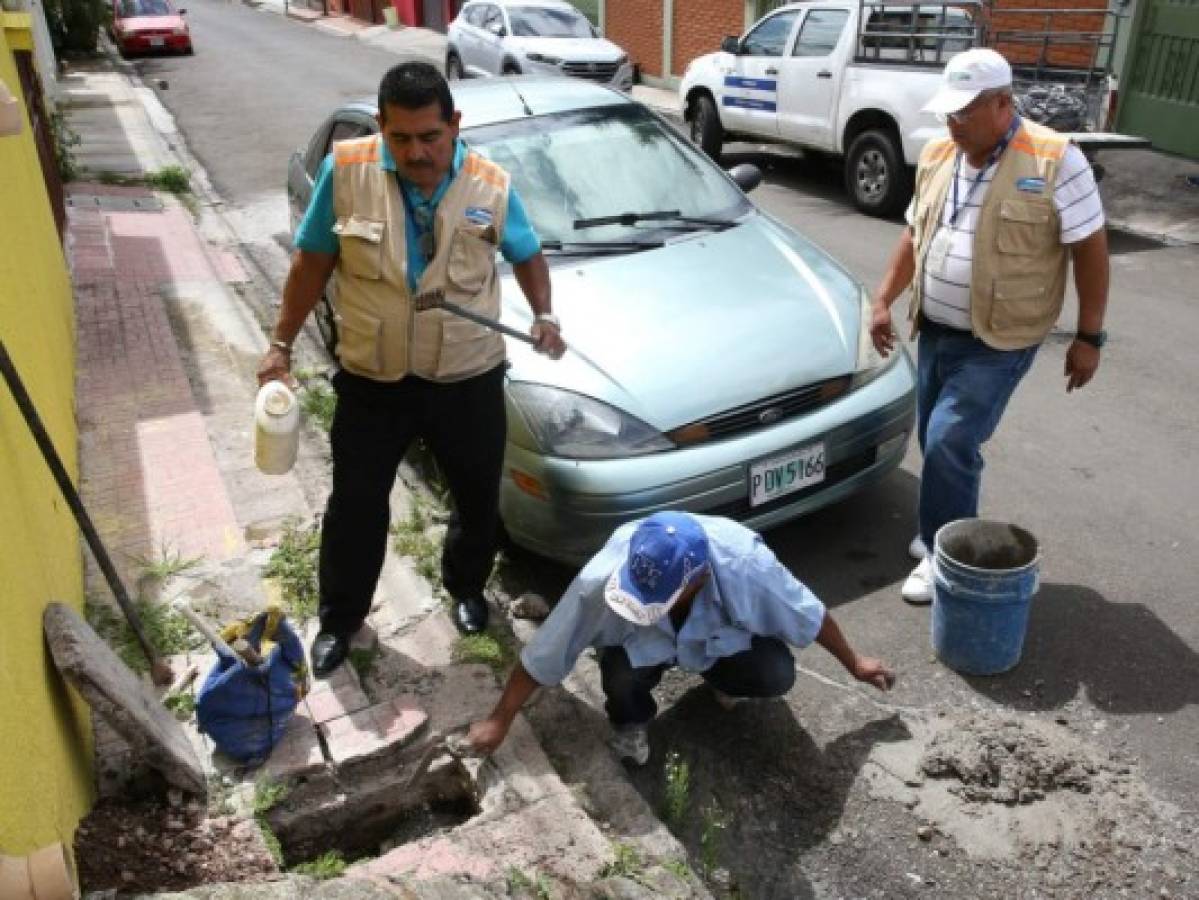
pixel 851 77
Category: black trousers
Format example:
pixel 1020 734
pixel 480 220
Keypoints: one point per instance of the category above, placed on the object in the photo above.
pixel 766 669
pixel 465 427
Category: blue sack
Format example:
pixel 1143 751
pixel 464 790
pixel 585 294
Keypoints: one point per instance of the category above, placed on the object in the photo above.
pixel 246 709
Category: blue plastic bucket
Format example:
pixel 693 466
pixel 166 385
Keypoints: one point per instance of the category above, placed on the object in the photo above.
pixel 984 576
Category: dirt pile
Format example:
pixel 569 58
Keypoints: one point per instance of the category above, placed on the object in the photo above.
pixel 149 847
pixel 1008 763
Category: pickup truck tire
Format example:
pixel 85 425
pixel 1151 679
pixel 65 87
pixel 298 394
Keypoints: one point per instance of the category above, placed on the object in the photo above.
pixel 706 131
pixel 876 178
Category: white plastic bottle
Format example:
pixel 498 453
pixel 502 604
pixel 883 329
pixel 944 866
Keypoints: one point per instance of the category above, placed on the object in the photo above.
pixel 276 428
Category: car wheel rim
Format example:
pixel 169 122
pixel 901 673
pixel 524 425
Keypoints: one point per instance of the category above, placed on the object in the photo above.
pixel 871 175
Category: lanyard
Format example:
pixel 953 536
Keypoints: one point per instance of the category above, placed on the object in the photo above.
pixel 991 160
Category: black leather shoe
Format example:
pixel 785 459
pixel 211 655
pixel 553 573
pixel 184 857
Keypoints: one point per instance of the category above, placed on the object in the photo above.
pixel 470 615
pixel 328 652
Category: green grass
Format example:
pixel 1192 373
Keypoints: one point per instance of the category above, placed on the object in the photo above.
pixel 677 796
pixel 271 840
pixel 678 868
pixel 521 885
pixel 363 660
pixel 268 794
pixel 174 179
pixel 327 865
pixel 183 705
pixel 410 539
pixel 166 564
pixel 318 402
pixel 712 823
pixel 293 565
pixel 485 649
pixel 166 630
pixel 627 864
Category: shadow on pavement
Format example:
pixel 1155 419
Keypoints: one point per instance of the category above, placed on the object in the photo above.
pixel 776 789
pixel 1124 656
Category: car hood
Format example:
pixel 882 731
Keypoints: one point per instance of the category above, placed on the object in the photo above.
pixel 150 23
pixel 572 49
pixel 701 326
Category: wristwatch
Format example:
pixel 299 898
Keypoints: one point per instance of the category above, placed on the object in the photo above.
pixel 1095 339
pixel 549 319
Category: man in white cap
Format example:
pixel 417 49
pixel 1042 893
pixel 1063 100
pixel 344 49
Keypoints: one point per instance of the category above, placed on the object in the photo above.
pixel 1001 207
pixel 675 589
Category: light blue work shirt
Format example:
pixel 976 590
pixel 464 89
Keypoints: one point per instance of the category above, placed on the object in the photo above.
pixel 518 243
pixel 749 592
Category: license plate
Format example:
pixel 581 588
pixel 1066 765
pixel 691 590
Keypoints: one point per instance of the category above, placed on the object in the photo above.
pixel 786 473
pixel 157 42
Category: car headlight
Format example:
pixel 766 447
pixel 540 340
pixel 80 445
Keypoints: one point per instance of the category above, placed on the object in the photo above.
pixel 543 58
pixel 870 363
pixel 575 426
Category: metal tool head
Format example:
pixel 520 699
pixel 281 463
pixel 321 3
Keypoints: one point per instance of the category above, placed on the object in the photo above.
pixel 428 300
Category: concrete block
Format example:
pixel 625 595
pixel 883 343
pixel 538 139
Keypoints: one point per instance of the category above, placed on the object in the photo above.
pixel 373 731
pixel 299 752
pixel 114 692
pixel 336 701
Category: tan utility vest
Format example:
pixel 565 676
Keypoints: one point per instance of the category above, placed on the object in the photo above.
pixel 1020 263
pixel 381 335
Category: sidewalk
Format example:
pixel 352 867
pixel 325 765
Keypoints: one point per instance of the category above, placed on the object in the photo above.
pixel 165 390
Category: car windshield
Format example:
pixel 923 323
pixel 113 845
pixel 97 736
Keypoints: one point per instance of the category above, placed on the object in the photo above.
pixel 605 162
pixel 133 8
pixel 539 21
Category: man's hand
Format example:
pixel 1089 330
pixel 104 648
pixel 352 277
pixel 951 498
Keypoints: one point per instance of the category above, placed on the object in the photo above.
pixel 873 671
pixel 881 330
pixel 1082 361
pixel 275 366
pixel 548 339
pixel 486 736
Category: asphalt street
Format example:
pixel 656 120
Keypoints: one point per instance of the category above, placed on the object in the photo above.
pixel 1105 477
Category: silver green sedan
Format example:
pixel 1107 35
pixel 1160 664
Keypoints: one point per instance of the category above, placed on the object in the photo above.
pixel 719 362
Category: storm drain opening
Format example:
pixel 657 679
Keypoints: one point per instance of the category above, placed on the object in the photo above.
pixel 367 814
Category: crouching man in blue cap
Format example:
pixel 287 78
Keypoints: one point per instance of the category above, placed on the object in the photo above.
pixel 699 592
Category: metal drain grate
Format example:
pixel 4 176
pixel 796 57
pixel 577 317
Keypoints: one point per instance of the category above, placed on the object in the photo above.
pixel 109 203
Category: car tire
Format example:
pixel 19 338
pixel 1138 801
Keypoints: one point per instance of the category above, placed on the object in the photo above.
pixel 453 67
pixel 326 324
pixel 878 181
pixel 706 131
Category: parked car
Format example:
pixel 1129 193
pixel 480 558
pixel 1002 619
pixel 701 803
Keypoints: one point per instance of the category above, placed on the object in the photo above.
pixel 851 78
pixel 532 37
pixel 143 26
pixel 719 361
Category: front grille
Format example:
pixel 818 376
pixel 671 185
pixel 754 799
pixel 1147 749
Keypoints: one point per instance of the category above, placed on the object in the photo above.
pixel 762 413
pixel 834 474
pixel 592 71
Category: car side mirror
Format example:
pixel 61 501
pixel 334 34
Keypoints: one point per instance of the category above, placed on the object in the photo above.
pixel 747 176
pixel 498 30
pixel 731 44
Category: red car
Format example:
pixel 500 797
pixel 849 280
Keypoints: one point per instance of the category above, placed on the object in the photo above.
pixel 143 26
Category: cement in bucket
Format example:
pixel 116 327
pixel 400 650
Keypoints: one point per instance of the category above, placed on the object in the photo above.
pixel 984 577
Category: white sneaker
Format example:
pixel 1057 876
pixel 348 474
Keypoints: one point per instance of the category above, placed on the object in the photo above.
pixel 726 701
pixel 918 588
pixel 631 744
pixel 916 549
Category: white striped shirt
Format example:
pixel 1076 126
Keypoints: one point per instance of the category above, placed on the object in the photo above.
pixel 947 292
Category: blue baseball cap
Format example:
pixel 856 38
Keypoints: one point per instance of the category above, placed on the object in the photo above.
pixel 667 552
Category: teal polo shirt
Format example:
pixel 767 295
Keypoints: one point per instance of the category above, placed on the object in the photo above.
pixel 519 242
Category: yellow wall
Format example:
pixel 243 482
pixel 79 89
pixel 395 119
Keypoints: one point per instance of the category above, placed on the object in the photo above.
pixel 45 734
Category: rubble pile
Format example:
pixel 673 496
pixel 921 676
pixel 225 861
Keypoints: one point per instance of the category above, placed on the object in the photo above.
pixel 1054 105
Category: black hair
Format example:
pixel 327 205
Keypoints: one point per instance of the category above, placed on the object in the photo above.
pixel 415 85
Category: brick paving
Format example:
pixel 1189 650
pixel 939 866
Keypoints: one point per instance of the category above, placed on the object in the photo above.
pixel 149 476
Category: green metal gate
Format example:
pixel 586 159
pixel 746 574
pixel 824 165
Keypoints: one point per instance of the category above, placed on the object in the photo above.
pixel 1159 95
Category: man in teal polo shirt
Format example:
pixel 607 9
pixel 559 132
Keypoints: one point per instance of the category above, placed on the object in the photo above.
pixel 407 374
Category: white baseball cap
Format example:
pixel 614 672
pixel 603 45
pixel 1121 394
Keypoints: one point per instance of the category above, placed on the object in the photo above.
pixel 968 75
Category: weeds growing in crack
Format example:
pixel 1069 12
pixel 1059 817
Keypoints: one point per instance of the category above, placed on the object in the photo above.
pixel 677 795
pixel 626 864
pixel 166 630
pixel 327 865
pixel 485 649
pixel 318 401
pixel 521 885
pixel 411 540
pixel 712 823
pixel 678 868
pixel 293 566
pixel 167 563
pixel 268 794
pixel 174 179
pixel 182 705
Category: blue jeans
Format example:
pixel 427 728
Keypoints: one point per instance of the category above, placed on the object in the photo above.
pixel 962 389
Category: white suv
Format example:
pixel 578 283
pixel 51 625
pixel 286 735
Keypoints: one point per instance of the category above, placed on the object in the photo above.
pixel 533 37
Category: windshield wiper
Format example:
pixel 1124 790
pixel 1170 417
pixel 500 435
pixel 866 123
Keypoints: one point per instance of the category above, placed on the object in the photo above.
pixel 583 248
pixel 671 218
